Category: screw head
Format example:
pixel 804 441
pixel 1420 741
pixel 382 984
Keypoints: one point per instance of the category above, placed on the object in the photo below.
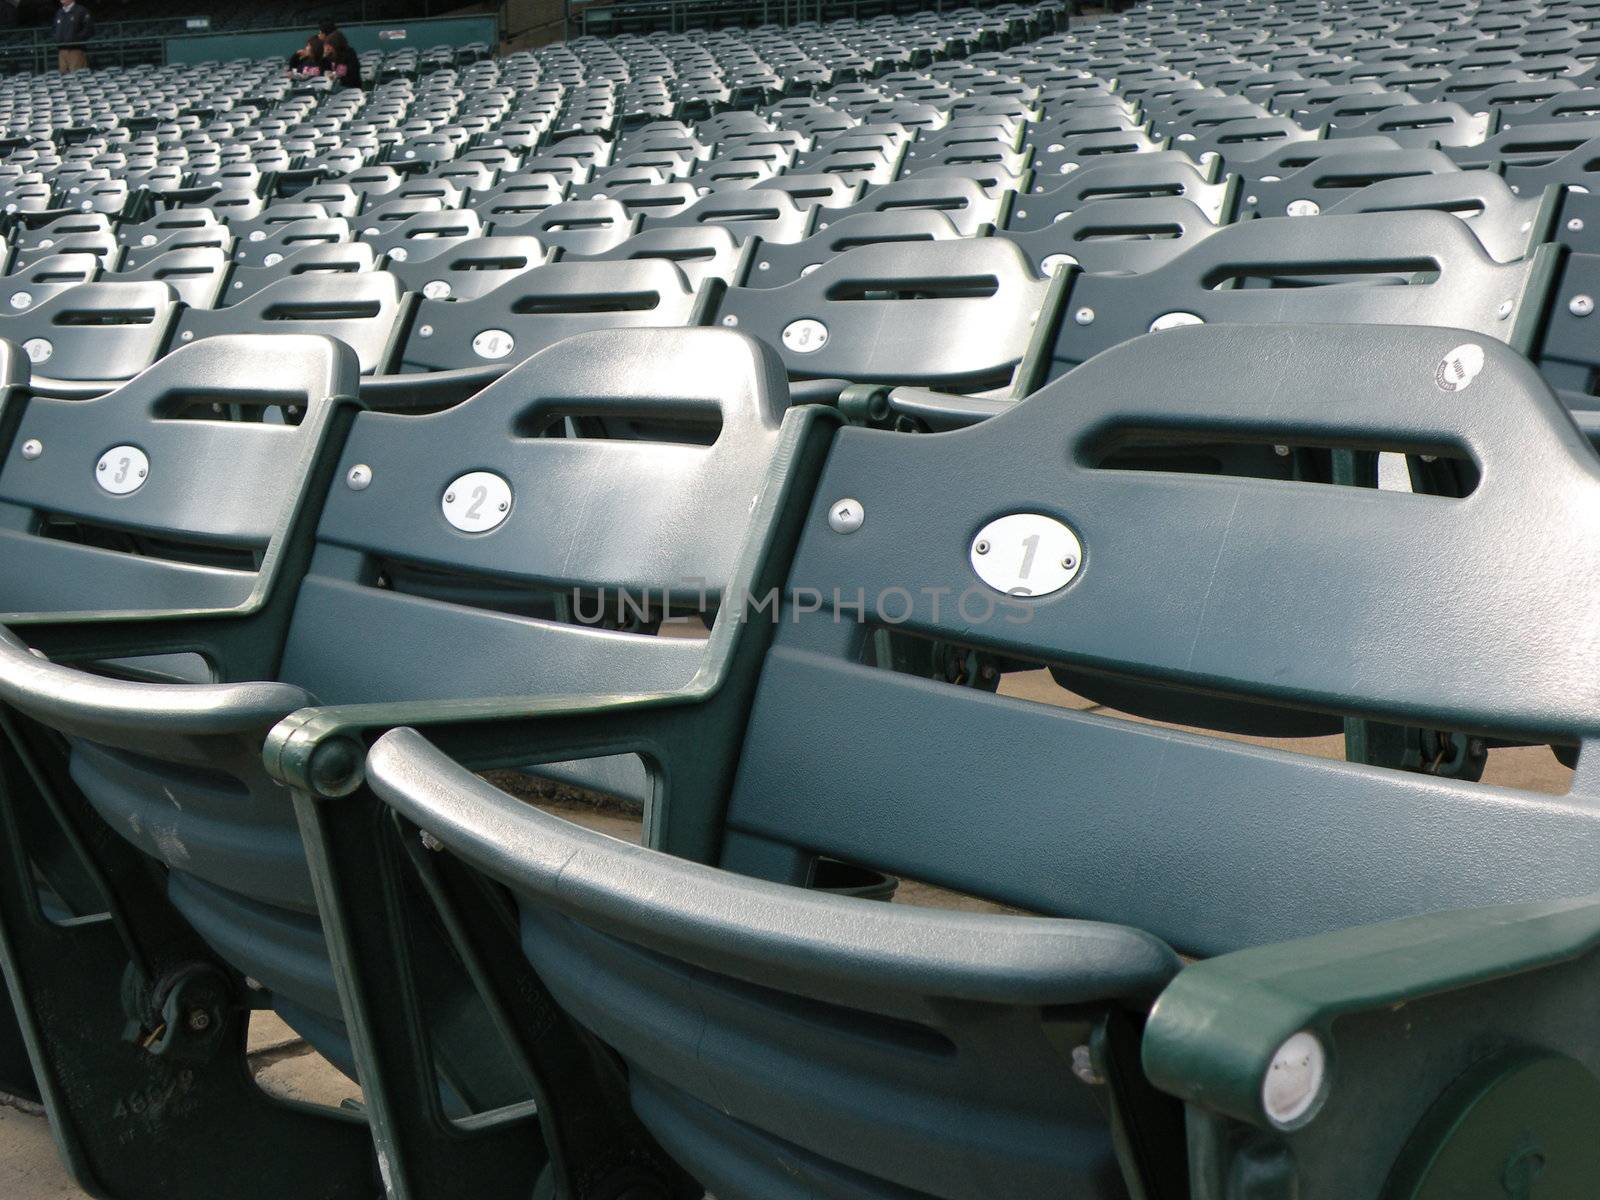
pixel 429 842
pixel 1575 225
pixel 981 548
pixel 1068 563
pixel 1295 1080
pixel 1084 316
pixel 846 516
pixel 730 320
pixel 32 448
pixel 425 331
pixel 1503 309
pixel 359 477
pixel 1083 1066
pixel 199 1020
pixel 1581 306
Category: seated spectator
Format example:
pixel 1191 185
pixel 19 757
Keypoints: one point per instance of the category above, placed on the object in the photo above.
pixel 306 62
pixel 340 61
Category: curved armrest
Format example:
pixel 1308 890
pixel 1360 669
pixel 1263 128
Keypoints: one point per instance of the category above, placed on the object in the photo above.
pixel 754 928
pixel 75 701
pixel 1216 1028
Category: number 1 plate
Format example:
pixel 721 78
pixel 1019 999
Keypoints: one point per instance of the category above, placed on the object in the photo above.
pixel 1026 554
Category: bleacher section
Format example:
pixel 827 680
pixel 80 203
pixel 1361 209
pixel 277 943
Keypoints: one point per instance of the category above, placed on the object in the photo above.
pixel 1224 372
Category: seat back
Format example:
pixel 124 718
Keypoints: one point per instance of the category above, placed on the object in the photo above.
pixel 1169 174
pixel 195 274
pixel 1403 268
pixel 361 309
pixel 1118 237
pixel 776 264
pixel 319 258
pixel 169 494
pixel 955 315
pixel 701 253
pixel 463 542
pixel 464 269
pixel 538 308
pixel 425 235
pixel 95 334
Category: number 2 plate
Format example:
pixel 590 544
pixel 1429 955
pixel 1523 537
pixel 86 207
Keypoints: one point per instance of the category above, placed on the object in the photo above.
pixel 1026 554
pixel 477 502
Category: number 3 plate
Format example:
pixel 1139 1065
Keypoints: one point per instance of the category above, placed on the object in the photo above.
pixel 1026 554
pixel 477 502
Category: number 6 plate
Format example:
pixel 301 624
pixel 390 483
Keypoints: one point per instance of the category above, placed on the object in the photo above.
pixel 1026 554
pixel 477 502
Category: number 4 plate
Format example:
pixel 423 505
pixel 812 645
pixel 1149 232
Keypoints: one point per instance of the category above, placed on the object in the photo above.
pixel 1026 554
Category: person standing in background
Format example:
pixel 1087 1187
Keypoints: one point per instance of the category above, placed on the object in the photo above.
pixel 73 29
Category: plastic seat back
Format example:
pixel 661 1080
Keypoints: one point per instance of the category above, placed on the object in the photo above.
pixel 1116 237
pixel 1410 268
pixel 360 309
pixel 337 258
pixel 95 334
pixel 953 315
pixel 537 308
pixel 196 274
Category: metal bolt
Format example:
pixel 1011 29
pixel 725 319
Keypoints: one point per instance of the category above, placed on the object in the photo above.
pixel 730 320
pixel 1294 1080
pixel 1581 306
pixel 981 548
pixel 186 336
pixel 425 331
pixel 1084 316
pixel 429 842
pixel 1083 1066
pixel 1281 451
pixel 32 448
pixel 1575 225
pixel 846 516
pixel 449 497
pixel 199 1020
pixel 1069 562
pixel 1503 310
pixel 359 477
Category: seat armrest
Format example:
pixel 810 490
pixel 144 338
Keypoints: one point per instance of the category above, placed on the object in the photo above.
pixel 77 702
pixel 1216 1029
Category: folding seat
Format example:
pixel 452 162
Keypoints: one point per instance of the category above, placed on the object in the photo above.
pixel 1115 236
pixel 1083 149
pixel 784 1043
pixel 464 269
pixel 1388 268
pixel 519 196
pixel 1509 227
pixel 151 232
pixel 700 252
pixel 266 244
pixel 29 284
pixel 1165 174
pixel 809 191
pixel 1333 177
pixel 424 235
pixel 87 338
pixel 46 235
pixel 362 309
pixel 227 922
pixel 195 273
pixel 584 226
pixel 954 316
pixel 101 244
pixel 537 308
pixel 760 212
pixel 774 265
pixel 968 206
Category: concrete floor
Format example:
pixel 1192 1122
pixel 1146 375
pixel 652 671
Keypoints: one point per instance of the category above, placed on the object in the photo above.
pixel 30 1170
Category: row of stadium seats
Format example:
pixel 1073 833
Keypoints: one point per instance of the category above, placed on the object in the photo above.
pixel 721 423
